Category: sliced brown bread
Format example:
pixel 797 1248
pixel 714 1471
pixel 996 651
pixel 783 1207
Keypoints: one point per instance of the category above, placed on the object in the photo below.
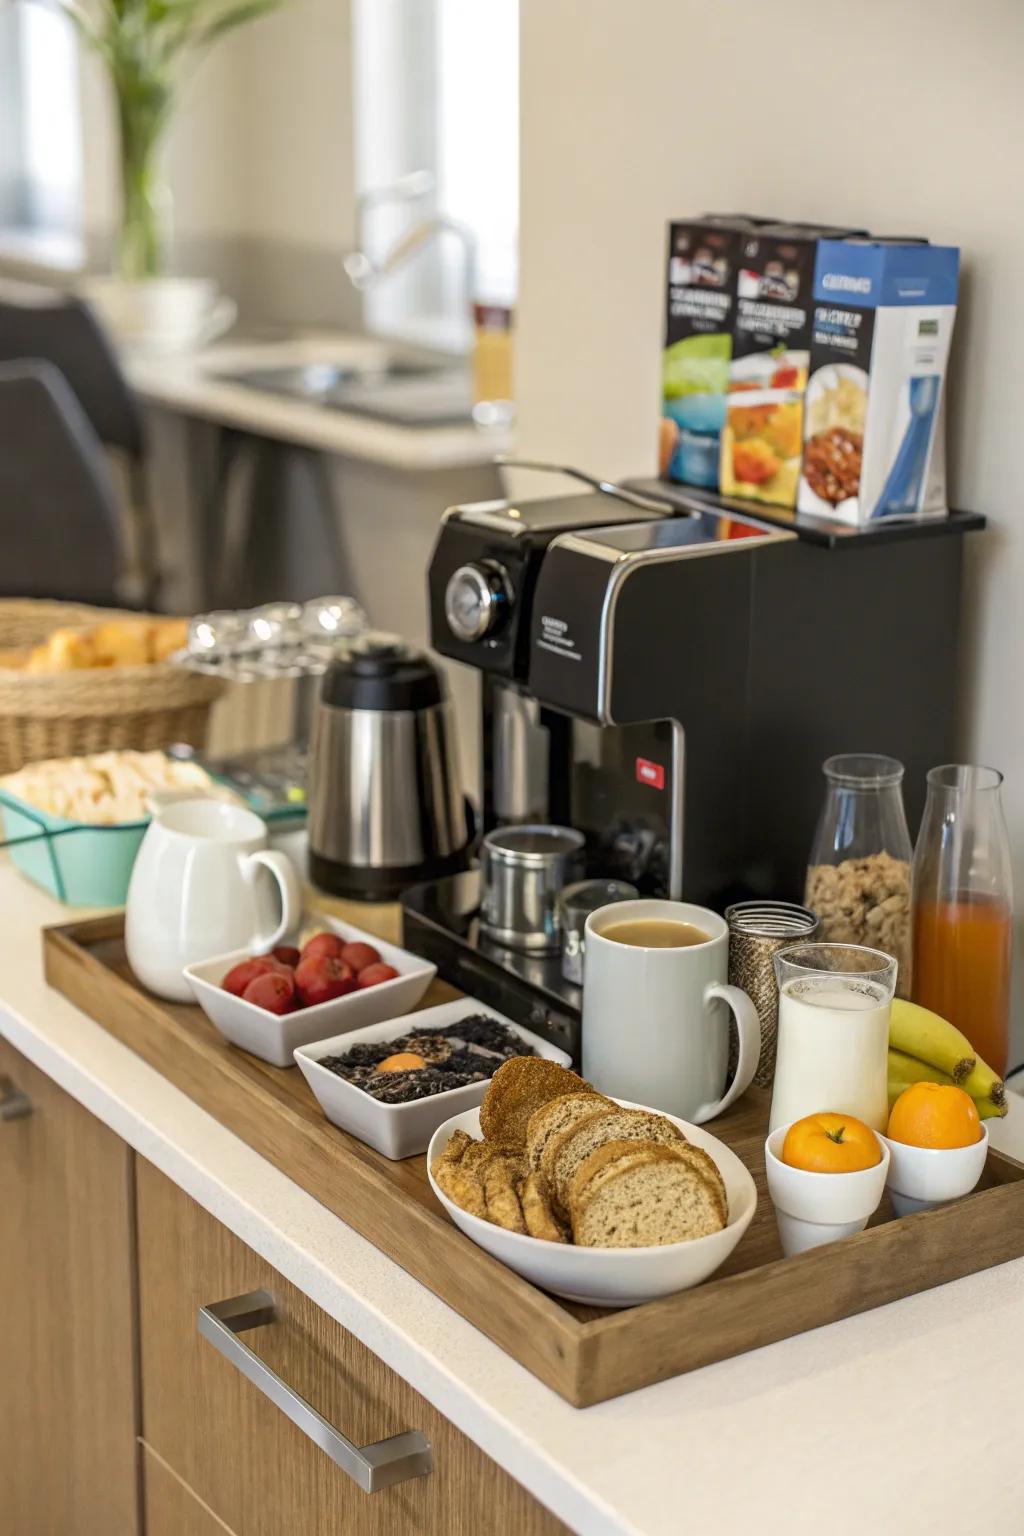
pixel 607 1159
pixel 540 1219
pixel 458 1143
pixel 479 1154
pixel 604 1125
pixel 463 1185
pixel 705 1164
pixel 601 1161
pixel 519 1088
pixel 646 1200
pixel 500 1177
pixel 554 1118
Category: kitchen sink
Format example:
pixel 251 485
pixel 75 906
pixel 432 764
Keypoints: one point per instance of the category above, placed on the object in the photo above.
pixel 402 391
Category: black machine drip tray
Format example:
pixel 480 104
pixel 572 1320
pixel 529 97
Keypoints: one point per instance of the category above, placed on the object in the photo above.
pixel 440 921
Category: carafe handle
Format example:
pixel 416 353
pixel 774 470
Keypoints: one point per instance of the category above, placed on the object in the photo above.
pixel 283 871
pixel 748 1027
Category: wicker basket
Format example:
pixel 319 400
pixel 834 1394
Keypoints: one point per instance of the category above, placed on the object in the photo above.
pixel 69 714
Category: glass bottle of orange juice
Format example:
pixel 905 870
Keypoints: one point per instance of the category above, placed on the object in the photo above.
pixel 962 908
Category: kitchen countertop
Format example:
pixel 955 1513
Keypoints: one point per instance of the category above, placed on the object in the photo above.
pixel 853 1425
pixel 189 382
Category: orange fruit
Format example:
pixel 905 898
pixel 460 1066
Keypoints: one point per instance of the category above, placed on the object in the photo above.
pixel 831 1143
pixel 934 1115
pixel 402 1061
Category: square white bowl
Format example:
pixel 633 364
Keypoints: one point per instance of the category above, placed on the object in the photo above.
pixel 402 1130
pixel 610 1277
pixel 275 1037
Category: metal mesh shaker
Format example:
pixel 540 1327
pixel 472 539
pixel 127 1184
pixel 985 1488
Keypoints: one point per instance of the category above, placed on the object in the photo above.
pixel 757 931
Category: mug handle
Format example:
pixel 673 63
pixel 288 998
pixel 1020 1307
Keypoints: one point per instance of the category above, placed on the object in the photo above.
pixel 748 1027
pixel 283 871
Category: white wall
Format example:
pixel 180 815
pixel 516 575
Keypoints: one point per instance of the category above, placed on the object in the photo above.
pixel 262 144
pixel 901 115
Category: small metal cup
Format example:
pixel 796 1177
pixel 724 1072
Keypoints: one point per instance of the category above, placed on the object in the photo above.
pixel 757 931
pixel 523 871
pixel 574 907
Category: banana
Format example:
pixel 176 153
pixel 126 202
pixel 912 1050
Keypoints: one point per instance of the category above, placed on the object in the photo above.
pixel 983 1083
pixel 988 1109
pixel 921 1033
pixel 906 1070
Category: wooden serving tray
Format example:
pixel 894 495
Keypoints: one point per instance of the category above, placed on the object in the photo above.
pixel 586 1355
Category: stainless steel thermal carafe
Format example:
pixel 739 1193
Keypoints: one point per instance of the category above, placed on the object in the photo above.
pixel 386 808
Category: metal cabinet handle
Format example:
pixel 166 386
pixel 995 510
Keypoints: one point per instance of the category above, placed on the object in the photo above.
pixel 373 1467
pixel 14 1105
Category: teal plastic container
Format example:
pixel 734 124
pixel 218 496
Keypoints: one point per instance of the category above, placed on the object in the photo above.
pixel 84 866
pixel 88 866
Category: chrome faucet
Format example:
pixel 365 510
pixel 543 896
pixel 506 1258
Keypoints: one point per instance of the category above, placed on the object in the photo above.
pixel 364 272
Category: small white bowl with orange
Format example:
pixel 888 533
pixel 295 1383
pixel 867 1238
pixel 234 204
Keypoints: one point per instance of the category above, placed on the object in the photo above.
pixel 937 1147
pixel 826 1177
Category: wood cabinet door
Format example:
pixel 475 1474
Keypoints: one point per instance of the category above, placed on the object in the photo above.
pixel 242 1457
pixel 68 1453
pixel 172 1509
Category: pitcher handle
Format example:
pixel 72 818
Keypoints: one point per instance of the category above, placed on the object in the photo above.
pixel 283 871
pixel 748 1027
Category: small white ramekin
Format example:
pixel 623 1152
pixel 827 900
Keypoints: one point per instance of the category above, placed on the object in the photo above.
pixel 816 1208
pixel 922 1177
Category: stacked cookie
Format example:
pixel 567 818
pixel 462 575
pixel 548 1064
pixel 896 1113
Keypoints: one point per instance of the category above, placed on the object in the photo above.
pixel 561 1162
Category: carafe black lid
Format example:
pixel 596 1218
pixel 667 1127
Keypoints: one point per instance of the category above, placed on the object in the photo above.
pixel 380 672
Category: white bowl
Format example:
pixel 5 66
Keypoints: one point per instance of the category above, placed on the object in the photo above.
pixel 401 1130
pixel 816 1208
pixel 922 1177
pixel 276 1037
pixel 610 1277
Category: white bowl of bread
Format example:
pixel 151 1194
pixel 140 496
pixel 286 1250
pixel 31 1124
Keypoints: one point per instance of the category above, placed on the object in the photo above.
pixel 597 1200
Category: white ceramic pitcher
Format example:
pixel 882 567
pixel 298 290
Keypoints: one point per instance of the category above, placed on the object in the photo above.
pixel 205 883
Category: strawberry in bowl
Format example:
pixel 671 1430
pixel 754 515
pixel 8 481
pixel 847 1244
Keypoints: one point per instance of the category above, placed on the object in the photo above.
pixel 339 979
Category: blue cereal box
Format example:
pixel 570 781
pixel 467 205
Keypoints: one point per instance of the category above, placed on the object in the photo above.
pixel 882 324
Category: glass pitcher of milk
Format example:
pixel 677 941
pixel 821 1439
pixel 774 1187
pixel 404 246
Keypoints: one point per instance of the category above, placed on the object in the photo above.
pixel 833 1045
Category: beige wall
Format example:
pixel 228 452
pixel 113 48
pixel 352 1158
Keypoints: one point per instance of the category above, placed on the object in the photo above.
pixel 901 115
pixel 262 143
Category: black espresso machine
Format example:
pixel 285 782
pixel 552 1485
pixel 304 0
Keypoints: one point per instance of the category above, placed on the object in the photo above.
pixel 667 674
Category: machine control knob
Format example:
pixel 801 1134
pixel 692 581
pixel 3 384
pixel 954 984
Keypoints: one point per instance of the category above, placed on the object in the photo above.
pixel 475 600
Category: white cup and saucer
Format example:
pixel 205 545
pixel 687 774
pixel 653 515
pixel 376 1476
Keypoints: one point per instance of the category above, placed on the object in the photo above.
pixel 160 315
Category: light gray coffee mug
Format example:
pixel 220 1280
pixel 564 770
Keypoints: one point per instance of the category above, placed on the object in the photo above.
pixel 656 1021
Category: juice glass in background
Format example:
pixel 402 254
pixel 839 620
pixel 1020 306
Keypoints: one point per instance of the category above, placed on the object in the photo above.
pixel 962 908
pixel 833 1045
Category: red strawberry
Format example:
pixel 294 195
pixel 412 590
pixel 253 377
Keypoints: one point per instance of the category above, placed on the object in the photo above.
pixel 274 991
pixel 322 944
pixel 287 954
pixel 323 978
pixel 374 974
pixel 359 956
pixel 240 975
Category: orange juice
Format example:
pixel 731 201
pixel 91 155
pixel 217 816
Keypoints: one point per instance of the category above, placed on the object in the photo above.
pixel 962 970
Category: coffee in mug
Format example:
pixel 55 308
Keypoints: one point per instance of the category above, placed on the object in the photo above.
pixel 655 933
pixel 656 1008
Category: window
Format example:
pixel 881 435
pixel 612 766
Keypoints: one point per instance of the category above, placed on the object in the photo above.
pixel 40 156
pixel 437 90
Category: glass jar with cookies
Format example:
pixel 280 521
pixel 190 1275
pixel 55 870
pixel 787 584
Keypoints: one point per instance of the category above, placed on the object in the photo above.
pixel 858 876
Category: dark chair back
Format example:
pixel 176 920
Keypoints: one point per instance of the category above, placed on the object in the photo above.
pixel 56 327
pixel 60 524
